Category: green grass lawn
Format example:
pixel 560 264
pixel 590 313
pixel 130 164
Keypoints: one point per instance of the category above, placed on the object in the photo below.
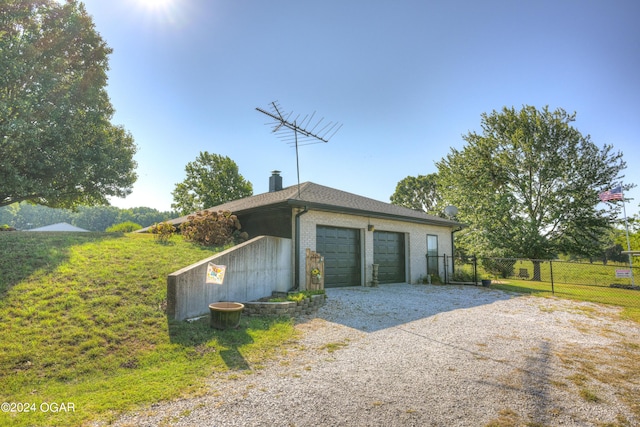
pixel 571 280
pixel 577 273
pixel 83 328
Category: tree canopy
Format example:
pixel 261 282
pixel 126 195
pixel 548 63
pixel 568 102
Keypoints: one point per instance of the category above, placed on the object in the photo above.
pixel 420 193
pixel 57 144
pixel 528 186
pixel 25 216
pixel 211 181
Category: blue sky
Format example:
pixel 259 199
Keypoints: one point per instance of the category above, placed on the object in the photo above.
pixel 405 78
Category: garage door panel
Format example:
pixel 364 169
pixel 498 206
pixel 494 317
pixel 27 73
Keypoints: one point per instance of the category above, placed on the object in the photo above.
pixel 388 253
pixel 340 248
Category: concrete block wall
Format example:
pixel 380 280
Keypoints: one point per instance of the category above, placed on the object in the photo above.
pixel 255 269
pixel 415 240
pixel 285 308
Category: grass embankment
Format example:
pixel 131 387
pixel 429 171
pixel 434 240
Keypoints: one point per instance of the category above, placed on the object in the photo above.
pixel 84 332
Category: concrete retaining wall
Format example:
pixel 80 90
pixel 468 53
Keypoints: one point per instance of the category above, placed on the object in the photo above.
pixel 255 269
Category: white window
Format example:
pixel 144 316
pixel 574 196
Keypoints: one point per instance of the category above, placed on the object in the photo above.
pixel 432 254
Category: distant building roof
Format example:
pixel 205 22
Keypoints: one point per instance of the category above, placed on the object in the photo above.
pixel 319 197
pixel 61 226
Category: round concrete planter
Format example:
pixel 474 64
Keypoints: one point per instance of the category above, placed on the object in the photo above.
pixel 225 315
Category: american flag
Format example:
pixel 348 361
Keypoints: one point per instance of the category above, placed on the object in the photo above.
pixel 614 194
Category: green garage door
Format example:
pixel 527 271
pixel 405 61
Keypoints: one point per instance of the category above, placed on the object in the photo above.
pixel 388 253
pixel 340 248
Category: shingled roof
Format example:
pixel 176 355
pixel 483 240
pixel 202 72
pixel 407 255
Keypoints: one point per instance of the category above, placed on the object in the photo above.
pixel 319 197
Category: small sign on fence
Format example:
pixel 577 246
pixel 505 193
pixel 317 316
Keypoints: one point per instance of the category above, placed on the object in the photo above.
pixel 623 273
pixel 215 273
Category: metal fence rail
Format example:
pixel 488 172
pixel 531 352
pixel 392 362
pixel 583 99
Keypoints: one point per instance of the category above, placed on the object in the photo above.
pixel 545 275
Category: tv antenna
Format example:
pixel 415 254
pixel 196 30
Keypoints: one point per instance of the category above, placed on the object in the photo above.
pixel 303 133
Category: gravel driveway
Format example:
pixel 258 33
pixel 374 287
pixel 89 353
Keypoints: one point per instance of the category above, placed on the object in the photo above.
pixel 422 355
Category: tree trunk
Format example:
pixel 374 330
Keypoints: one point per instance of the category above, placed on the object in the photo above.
pixel 537 276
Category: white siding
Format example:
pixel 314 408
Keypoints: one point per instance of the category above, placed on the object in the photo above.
pixel 415 241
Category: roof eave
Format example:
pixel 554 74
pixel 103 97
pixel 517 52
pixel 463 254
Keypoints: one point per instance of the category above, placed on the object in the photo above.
pixel 372 214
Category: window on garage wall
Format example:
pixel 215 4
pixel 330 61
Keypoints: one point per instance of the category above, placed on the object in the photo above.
pixel 432 254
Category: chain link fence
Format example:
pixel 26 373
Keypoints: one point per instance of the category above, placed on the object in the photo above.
pixel 613 280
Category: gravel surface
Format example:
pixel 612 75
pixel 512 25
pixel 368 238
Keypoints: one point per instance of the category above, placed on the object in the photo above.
pixel 420 355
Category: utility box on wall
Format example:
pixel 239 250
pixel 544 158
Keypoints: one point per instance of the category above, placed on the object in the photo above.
pixel 314 271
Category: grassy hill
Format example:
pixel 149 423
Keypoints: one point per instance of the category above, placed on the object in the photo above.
pixel 83 328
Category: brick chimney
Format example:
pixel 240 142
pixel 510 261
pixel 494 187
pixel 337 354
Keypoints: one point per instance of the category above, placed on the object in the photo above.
pixel 275 182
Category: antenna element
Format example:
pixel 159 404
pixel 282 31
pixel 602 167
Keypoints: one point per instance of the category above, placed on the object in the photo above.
pixel 283 125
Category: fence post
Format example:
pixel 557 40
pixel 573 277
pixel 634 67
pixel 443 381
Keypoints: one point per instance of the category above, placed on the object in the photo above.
pixel 427 278
pixel 453 263
pixel 551 270
pixel 475 270
pixel 444 260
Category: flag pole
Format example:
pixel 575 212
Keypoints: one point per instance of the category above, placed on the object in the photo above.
pixel 626 227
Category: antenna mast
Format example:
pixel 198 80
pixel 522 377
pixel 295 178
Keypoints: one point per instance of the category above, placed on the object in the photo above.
pixel 284 124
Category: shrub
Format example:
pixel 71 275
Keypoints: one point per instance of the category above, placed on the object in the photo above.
pixel 300 296
pixel 462 276
pixel 163 231
pixel 433 279
pixel 210 228
pixel 124 227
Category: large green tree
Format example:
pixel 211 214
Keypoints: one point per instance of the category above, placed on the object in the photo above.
pixel 420 193
pixel 58 146
pixel 528 185
pixel 211 180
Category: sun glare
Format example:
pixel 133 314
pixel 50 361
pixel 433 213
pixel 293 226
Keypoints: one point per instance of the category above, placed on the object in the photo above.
pixel 163 12
pixel 155 4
